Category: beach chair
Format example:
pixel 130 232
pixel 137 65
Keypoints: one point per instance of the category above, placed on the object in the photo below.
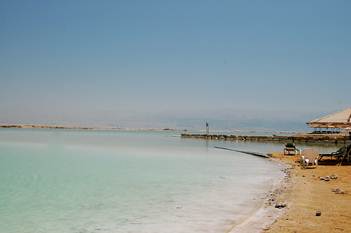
pixel 337 154
pixel 290 149
pixel 309 158
pixel 344 153
pixel 347 154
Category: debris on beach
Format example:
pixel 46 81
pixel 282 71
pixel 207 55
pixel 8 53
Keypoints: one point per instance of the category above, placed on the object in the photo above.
pixel 328 178
pixel 318 213
pixel 338 191
pixel 325 178
pixel 271 201
pixel 280 205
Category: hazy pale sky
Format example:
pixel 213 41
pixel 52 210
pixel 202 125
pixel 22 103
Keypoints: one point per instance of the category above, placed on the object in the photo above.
pixel 159 63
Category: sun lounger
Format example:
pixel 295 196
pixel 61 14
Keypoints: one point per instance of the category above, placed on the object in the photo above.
pixel 344 153
pixel 309 158
pixel 290 149
pixel 337 154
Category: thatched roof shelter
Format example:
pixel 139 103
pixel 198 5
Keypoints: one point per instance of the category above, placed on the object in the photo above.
pixel 341 120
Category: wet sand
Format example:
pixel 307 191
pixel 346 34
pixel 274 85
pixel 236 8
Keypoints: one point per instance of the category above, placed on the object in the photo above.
pixel 266 214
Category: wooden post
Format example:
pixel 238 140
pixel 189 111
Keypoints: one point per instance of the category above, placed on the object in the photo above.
pixel 207 129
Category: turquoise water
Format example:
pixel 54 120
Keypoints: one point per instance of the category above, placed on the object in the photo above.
pixel 106 181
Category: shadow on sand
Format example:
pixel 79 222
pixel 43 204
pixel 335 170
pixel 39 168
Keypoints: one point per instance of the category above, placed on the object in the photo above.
pixel 333 162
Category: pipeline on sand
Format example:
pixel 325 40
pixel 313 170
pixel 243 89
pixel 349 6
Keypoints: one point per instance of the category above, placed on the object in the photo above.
pixel 245 152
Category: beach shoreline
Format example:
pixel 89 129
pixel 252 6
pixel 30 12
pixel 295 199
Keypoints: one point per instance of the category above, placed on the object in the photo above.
pixel 77 127
pixel 266 214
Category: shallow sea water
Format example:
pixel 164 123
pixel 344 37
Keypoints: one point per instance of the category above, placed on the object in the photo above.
pixel 54 181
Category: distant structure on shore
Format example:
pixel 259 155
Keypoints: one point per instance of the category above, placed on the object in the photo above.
pixel 334 121
pixel 337 129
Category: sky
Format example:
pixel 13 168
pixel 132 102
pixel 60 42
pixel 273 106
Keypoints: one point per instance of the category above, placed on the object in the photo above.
pixel 269 64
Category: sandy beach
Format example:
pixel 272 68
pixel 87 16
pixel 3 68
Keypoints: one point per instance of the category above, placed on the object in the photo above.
pixel 306 193
pixel 303 193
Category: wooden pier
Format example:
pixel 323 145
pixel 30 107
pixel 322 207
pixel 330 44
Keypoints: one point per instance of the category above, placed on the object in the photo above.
pixel 298 138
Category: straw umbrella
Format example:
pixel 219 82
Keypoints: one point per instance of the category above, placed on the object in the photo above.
pixel 338 120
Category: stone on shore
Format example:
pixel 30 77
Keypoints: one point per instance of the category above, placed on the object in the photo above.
pixel 318 213
pixel 280 205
